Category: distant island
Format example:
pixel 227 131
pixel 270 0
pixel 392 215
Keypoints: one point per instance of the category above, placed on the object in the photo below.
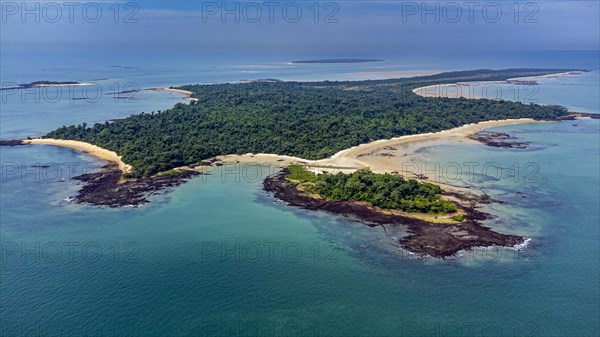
pixel 337 61
pixel 39 84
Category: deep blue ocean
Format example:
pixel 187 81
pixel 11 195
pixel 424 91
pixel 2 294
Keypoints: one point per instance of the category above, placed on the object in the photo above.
pixel 219 257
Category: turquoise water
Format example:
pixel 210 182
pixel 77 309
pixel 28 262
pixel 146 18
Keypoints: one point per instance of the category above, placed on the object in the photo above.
pixel 199 259
pixel 218 257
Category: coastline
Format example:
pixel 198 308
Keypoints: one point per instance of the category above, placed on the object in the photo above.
pixel 439 238
pixel 386 75
pixel 185 93
pixel 557 75
pixel 364 156
pixel 84 147
pixel 433 90
pixel 108 187
pixel 348 160
pixel 436 238
pixel 424 236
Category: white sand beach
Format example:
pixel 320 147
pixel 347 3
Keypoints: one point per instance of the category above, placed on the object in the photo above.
pixel 185 93
pixel 557 75
pixel 90 149
pixel 369 155
pixel 463 89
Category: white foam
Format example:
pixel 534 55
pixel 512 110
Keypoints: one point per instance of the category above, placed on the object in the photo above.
pixel 522 246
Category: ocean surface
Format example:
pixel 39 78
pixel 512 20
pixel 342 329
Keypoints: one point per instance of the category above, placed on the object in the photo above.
pixel 219 257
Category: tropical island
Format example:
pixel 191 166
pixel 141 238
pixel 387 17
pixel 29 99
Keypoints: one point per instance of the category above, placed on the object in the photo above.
pixel 309 123
pixel 451 221
pixel 310 120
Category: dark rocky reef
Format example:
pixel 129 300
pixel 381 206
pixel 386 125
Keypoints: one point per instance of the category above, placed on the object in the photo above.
pixel 504 140
pixel 15 142
pixel 107 188
pixel 499 139
pixel 425 238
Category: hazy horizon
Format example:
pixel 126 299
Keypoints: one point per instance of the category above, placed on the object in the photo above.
pixel 336 28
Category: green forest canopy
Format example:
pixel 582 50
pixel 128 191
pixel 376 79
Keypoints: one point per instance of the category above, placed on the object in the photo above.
pixel 312 120
pixel 387 191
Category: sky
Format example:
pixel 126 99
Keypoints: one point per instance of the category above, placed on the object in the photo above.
pixel 354 28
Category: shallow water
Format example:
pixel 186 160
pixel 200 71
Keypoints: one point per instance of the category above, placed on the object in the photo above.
pixel 577 92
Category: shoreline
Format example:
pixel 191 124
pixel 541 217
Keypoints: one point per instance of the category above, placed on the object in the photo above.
pixel 90 149
pixel 387 75
pixel 109 188
pixel 358 157
pixel 185 93
pixel 346 160
pixel 425 237
pixel 422 91
pixel 556 75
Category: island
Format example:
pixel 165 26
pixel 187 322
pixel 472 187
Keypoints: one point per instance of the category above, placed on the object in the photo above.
pixel 301 125
pixel 310 120
pixel 436 226
pixel 336 61
pixel 42 84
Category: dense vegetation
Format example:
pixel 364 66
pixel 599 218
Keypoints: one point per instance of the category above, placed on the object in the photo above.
pixel 387 191
pixel 311 120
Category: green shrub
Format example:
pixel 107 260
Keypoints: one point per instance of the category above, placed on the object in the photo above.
pixel 458 218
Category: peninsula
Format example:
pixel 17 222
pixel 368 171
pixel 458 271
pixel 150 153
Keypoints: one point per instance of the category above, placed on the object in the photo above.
pixel 310 120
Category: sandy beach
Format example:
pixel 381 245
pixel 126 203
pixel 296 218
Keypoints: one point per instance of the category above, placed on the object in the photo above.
pixel 557 75
pixel 90 149
pixel 462 89
pixel 186 93
pixel 453 90
pixel 380 156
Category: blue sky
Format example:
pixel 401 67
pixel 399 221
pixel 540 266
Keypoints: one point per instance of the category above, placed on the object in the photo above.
pixel 364 28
